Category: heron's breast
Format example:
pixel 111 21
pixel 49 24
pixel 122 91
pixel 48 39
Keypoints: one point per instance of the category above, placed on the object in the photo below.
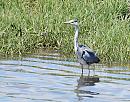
pixel 81 60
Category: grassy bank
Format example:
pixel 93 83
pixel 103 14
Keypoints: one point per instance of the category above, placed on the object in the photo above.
pixel 30 24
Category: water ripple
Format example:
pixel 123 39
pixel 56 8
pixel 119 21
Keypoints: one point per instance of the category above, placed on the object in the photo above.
pixel 50 78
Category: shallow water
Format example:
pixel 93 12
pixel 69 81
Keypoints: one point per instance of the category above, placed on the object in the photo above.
pixel 48 77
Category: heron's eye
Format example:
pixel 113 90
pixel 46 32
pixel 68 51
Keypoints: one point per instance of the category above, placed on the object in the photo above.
pixel 75 20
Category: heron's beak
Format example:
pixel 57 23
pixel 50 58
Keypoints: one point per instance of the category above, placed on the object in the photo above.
pixel 68 22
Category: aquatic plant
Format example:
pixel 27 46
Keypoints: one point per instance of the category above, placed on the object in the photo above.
pixel 30 24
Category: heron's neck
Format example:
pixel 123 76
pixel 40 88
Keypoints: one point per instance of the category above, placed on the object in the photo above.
pixel 76 38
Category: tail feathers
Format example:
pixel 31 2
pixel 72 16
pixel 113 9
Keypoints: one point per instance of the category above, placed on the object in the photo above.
pixel 97 60
pixel 93 60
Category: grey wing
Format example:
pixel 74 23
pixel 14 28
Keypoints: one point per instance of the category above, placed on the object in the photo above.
pixel 83 48
pixel 88 55
pixel 81 51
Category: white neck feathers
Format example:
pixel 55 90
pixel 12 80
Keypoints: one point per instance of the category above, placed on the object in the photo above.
pixel 76 38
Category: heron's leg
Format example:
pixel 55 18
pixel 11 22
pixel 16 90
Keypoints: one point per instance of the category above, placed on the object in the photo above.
pixel 88 71
pixel 94 71
pixel 82 69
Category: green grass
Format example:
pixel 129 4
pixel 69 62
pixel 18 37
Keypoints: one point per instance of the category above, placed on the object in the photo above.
pixel 26 25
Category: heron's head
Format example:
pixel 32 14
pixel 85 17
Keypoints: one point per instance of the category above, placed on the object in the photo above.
pixel 72 22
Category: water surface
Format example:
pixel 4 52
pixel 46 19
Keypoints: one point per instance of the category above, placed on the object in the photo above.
pixel 48 77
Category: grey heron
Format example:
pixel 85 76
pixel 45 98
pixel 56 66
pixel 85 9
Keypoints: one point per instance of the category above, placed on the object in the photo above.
pixel 85 55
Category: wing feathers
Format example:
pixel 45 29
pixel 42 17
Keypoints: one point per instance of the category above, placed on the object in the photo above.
pixel 90 57
pixel 87 54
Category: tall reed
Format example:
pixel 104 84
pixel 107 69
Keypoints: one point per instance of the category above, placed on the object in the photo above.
pixel 30 24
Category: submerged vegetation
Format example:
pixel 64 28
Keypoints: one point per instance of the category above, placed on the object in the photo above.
pixel 26 25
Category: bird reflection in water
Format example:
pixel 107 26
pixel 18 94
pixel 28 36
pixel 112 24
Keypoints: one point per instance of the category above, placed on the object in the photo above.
pixel 84 81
